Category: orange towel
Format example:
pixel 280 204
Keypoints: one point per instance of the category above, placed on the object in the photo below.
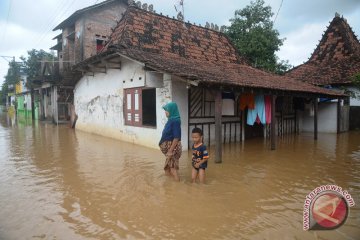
pixel 247 100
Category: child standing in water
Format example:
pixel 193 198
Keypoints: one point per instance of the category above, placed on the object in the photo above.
pixel 200 156
pixel 170 143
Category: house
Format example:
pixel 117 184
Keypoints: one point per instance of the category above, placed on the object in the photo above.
pixel 27 106
pixel 83 34
pixel 152 59
pixel 10 99
pixel 334 62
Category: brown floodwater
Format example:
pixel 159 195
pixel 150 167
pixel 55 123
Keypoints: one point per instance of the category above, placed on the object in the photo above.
pixel 56 183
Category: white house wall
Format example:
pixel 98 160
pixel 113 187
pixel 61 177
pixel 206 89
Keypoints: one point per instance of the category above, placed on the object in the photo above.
pixel 180 96
pixel 327 118
pixel 98 102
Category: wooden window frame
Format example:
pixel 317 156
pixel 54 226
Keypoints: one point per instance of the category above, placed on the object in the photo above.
pixel 133 109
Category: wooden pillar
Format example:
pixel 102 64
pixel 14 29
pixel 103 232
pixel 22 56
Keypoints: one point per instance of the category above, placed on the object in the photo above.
pixel 42 104
pixel 32 104
pixel 338 116
pixel 273 119
pixel 315 118
pixel 243 125
pixel 218 127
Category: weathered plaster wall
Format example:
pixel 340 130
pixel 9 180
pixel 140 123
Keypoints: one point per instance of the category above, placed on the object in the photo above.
pixel 98 102
pixel 327 118
pixel 180 96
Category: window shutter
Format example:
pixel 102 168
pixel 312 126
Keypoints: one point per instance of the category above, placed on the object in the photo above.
pixel 137 108
pixel 133 107
pixel 128 107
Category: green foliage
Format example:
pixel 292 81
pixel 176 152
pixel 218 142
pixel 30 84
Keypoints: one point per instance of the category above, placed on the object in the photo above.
pixel 356 83
pixel 30 65
pixel 12 78
pixel 252 33
pixel 13 74
pixel 356 80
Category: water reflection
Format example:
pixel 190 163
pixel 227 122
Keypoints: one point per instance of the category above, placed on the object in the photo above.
pixel 57 183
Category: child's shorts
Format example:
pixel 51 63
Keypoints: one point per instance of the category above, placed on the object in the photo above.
pixel 173 161
pixel 202 166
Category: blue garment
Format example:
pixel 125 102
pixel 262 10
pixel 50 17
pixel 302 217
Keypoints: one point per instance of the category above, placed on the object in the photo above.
pixel 171 130
pixel 259 110
pixel 199 153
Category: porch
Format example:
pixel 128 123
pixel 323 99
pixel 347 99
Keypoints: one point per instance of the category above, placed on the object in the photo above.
pixel 223 122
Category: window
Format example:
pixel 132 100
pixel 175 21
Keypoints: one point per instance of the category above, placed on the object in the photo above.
pixel 100 42
pixel 99 45
pixel 149 107
pixel 140 107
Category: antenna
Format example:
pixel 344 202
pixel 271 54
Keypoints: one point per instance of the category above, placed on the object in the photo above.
pixel 6 58
pixel 181 13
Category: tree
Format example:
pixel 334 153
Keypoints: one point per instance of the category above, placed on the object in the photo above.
pixel 355 80
pixel 12 78
pixel 31 65
pixel 252 33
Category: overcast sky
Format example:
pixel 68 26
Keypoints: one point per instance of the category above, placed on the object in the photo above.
pixel 26 24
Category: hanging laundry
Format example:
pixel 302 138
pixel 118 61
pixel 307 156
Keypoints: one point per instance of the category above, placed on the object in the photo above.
pixel 247 100
pixel 258 111
pixel 268 109
pixel 257 119
pixel 228 103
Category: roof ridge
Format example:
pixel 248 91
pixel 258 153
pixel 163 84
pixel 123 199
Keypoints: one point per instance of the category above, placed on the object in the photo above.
pixel 340 36
pixel 174 19
pixel 80 11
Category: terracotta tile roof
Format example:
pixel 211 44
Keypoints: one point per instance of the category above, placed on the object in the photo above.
pixel 223 74
pixel 152 32
pixel 191 52
pixel 335 60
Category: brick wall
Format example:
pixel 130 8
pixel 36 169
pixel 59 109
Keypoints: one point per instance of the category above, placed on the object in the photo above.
pixel 100 23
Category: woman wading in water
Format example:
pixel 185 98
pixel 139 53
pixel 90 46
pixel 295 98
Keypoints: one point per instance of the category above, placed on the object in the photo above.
pixel 170 143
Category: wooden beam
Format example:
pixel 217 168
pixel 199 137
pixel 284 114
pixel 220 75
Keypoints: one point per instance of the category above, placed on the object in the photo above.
pixel 218 127
pixel 110 64
pixel 97 69
pixel 272 126
pixel 338 116
pixel 315 118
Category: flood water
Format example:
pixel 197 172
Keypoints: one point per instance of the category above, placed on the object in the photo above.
pixel 56 183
